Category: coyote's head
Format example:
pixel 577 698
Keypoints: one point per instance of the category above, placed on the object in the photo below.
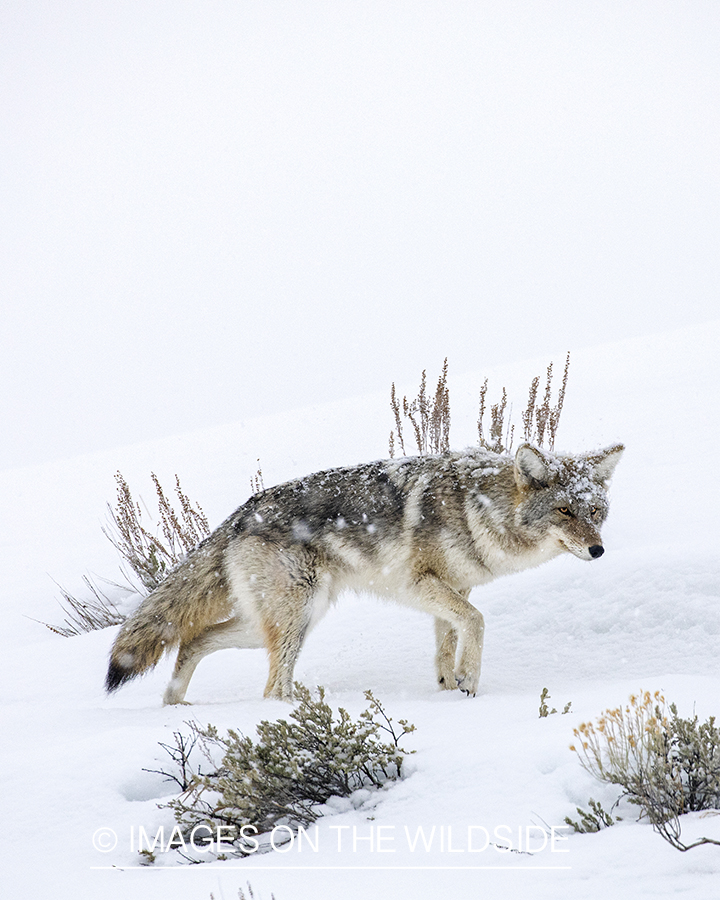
pixel 565 497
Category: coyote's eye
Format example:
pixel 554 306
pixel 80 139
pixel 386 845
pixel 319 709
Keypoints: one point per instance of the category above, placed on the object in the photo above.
pixel 593 510
pixel 564 510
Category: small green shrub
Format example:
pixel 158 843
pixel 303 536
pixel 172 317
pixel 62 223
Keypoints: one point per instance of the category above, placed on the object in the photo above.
pixel 592 820
pixel 544 711
pixel 285 776
pixel 666 765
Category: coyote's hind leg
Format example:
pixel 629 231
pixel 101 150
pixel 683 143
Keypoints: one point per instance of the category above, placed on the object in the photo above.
pixel 232 633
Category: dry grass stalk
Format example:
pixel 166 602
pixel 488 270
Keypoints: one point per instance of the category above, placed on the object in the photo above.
pixel 539 421
pixel 554 417
pixel 149 556
pixel 184 533
pixel 429 418
pixel 546 417
pixel 256 481
pixel 500 438
pixel 527 416
pixel 439 423
pixel 395 406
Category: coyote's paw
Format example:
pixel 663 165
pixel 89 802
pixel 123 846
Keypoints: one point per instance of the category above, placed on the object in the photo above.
pixel 445 673
pixel 279 694
pixel 467 684
pixel 173 697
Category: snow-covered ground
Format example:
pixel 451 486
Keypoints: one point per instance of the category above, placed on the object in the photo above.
pixel 645 616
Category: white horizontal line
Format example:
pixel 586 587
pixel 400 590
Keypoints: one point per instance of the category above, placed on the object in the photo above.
pixel 245 868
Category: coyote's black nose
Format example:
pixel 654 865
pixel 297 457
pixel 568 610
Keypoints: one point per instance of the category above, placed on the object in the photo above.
pixel 596 551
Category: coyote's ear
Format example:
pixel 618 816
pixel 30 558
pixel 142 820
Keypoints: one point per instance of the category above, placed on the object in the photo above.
pixel 604 461
pixel 531 467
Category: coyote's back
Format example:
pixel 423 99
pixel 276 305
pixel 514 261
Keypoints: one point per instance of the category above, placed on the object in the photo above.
pixel 423 531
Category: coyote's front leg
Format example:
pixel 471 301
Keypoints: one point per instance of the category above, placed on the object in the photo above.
pixel 465 632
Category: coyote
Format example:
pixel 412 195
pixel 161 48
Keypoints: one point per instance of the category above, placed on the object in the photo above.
pixel 421 530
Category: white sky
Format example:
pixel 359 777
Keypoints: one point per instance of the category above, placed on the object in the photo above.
pixel 213 209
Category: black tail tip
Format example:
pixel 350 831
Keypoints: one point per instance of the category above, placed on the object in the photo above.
pixel 116 676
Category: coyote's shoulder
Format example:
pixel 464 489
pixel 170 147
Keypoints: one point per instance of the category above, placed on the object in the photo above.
pixel 422 530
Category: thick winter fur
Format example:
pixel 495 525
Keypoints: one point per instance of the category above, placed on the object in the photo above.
pixel 422 531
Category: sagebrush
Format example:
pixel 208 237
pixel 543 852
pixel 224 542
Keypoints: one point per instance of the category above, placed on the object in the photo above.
pixel 287 774
pixel 666 765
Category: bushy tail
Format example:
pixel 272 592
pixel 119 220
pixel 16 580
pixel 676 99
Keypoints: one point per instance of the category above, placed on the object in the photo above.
pixel 194 596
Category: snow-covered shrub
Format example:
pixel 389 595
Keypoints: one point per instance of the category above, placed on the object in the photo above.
pixel 665 764
pixel 288 773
